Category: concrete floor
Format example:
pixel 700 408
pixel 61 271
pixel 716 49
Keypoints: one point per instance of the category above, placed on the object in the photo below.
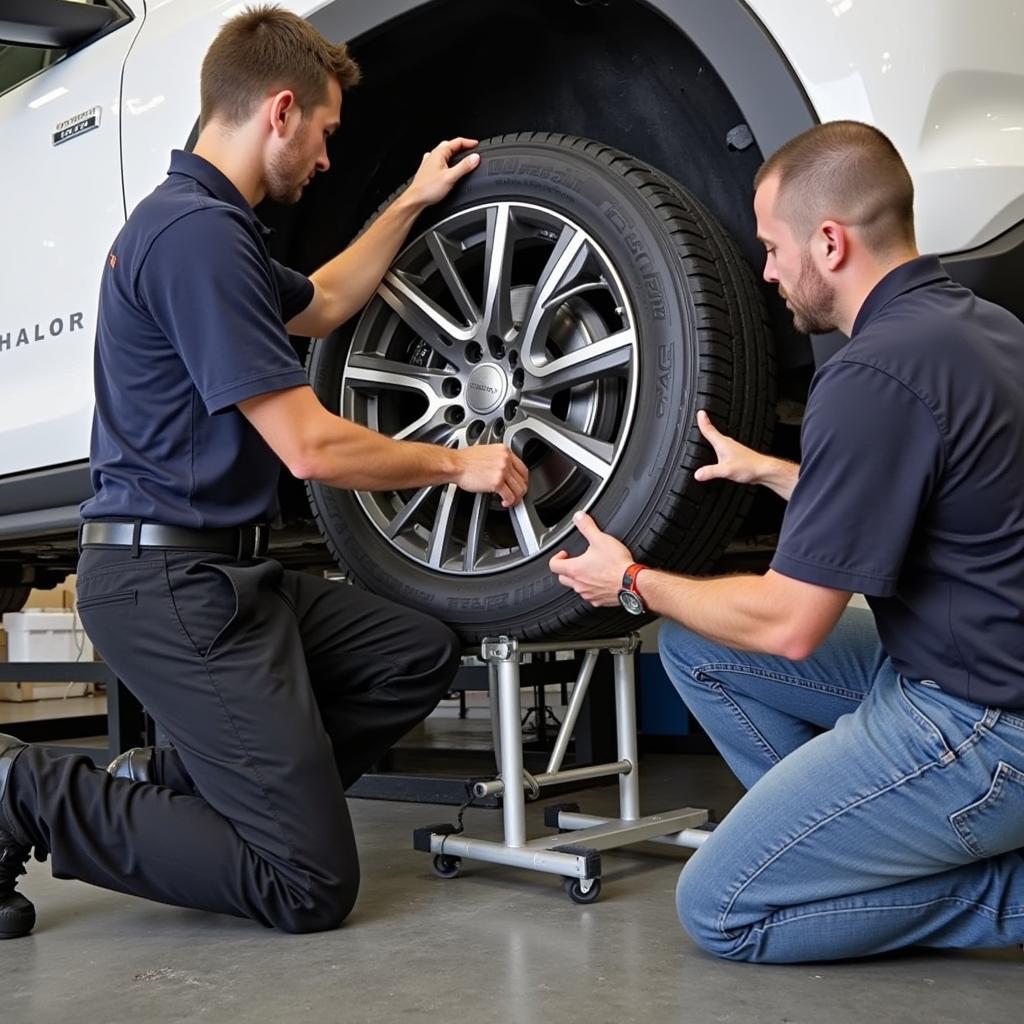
pixel 494 945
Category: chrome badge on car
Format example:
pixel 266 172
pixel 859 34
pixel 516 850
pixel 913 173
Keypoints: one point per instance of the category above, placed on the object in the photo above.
pixel 77 125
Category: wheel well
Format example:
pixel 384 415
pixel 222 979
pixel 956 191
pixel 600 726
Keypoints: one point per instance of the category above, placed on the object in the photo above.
pixel 620 73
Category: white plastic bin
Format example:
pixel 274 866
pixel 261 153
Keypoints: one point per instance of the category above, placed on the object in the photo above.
pixel 43 634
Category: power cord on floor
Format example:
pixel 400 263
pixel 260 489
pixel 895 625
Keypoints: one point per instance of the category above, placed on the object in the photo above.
pixel 533 793
pixel 470 802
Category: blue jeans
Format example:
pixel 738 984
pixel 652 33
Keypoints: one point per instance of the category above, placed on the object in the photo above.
pixel 881 812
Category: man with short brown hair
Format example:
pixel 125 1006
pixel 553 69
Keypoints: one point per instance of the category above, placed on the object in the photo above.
pixel 260 49
pixel 277 688
pixel 884 755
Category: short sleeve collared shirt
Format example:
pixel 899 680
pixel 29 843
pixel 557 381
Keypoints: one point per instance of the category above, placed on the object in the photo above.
pixel 191 322
pixel 911 486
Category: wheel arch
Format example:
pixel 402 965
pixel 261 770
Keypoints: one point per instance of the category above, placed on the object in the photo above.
pixel 733 39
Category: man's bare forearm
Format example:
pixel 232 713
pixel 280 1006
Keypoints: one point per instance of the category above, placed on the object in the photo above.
pixel 352 457
pixel 739 611
pixel 779 476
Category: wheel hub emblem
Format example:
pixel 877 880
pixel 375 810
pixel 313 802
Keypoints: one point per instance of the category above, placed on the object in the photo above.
pixel 486 388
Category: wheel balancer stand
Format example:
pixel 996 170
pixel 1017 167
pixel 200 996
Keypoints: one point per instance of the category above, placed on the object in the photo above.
pixel 576 856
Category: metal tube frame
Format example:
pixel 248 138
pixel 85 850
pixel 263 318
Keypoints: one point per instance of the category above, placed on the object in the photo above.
pixel 579 691
pixel 573 855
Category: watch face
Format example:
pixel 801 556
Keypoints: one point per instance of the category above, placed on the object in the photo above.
pixel 631 602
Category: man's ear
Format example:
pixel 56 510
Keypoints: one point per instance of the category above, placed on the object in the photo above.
pixel 834 244
pixel 283 111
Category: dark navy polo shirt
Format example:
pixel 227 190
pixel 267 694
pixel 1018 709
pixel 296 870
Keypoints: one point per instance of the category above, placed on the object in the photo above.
pixel 191 321
pixel 911 486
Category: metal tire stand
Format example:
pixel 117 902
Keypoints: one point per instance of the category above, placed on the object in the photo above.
pixel 576 857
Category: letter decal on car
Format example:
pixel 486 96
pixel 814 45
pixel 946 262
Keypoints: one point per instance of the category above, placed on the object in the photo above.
pixel 77 125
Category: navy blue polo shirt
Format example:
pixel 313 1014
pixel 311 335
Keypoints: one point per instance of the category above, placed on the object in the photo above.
pixel 911 486
pixel 191 321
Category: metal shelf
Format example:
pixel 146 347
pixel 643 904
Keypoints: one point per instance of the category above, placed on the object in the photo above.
pixel 125 723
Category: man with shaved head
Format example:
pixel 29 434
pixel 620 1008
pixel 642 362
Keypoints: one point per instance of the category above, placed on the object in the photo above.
pixel 884 752
pixel 845 172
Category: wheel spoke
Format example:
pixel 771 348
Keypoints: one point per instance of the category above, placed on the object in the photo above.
pixel 443 252
pixel 562 268
pixel 412 506
pixel 374 373
pixel 497 316
pixel 591 455
pixel 527 526
pixel 424 316
pixel 441 535
pixel 367 371
pixel 431 426
pixel 585 364
pixel 476 532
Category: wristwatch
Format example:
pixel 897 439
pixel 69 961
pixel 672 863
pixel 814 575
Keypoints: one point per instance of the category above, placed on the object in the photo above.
pixel 629 596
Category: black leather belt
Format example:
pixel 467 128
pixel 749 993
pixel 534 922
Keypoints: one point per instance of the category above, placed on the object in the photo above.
pixel 242 542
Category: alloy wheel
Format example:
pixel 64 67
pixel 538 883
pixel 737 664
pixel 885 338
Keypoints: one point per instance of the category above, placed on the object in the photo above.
pixel 504 322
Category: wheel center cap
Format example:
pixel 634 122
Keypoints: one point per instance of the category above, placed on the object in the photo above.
pixel 486 388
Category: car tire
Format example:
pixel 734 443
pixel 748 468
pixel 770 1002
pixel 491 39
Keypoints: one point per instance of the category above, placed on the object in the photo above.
pixel 13 598
pixel 652 269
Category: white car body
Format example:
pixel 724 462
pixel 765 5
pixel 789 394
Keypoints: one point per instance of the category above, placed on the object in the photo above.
pixel 941 77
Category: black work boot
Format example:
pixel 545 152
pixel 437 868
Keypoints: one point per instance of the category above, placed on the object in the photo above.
pixel 136 765
pixel 17 915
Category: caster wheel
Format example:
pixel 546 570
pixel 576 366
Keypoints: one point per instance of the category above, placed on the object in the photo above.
pixel 447 867
pixel 583 890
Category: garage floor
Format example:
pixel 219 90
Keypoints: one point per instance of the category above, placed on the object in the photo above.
pixel 494 944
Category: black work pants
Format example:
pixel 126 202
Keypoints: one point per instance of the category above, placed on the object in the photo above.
pixel 277 689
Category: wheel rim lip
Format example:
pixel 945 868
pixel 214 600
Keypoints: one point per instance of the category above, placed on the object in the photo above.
pixel 370 502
